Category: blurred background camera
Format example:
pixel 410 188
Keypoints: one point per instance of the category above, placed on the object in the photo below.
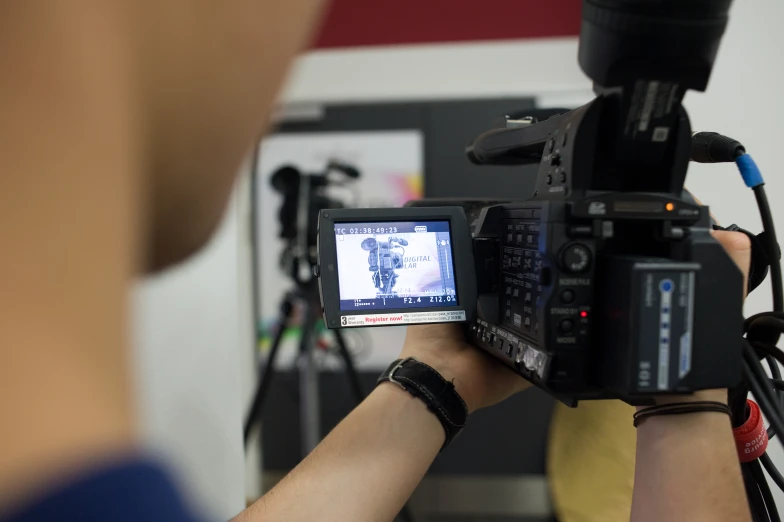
pixel 304 195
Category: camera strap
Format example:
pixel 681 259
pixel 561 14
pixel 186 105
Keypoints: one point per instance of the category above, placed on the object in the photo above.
pixel 426 384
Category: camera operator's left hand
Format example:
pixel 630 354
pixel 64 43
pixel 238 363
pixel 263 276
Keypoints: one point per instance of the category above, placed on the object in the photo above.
pixel 479 379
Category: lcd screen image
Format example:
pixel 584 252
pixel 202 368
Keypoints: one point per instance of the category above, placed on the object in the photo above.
pixel 390 265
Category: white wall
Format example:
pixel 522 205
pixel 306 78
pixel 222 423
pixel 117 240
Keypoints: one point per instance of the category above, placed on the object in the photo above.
pixel 510 68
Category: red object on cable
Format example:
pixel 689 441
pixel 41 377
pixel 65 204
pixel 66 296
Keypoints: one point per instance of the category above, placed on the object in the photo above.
pixel 751 439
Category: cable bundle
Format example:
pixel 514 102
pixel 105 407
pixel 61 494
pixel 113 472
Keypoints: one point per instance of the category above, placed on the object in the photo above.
pixel 761 333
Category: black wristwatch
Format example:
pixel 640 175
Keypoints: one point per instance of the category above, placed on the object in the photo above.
pixel 426 384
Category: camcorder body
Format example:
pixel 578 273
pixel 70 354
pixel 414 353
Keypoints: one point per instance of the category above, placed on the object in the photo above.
pixel 605 282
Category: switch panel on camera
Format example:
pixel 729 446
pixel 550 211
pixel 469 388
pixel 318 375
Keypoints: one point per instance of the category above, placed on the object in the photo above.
pixel 545 300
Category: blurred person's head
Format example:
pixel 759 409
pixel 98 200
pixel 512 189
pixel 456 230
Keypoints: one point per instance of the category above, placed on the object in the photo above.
pixel 123 125
pixel 211 71
pixel 196 80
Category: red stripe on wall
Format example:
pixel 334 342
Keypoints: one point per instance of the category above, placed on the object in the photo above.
pixel 353 23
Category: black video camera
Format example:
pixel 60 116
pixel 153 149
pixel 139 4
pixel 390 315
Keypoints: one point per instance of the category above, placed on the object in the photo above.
pixel 606 282
pixel 304 195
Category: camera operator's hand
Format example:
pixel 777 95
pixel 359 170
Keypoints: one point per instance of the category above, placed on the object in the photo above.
pixel 738 246
pixel 478 378
pixel 371 462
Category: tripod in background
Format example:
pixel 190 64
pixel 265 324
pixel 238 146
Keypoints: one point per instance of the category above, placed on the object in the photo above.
pixel 307 297
pixel 304 195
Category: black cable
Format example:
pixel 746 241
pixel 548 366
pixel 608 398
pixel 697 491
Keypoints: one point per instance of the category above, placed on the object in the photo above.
pixel 768 350
pixel 774 473
pixel 763 390
pixel 761 378
pixel 766 331
pixel 773 322
pixel 762 327
pixel 751 471
pixel 772 247
pixel 712 147
pixel 775 372
pixel 756 503
pixel 756 485
pixel 759 384
pixel 767 496
pixel 737 402
pixel 769 408
pixel 777 287
pixel 750 320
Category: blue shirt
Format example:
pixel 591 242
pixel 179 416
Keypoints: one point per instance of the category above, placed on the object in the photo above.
pixel 132 491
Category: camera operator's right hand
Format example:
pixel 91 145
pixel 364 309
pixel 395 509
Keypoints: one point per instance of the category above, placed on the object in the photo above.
pixel 738 246
pixel 479 379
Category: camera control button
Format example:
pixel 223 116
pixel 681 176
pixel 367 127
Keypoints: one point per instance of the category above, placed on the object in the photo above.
pixel 567 297
pixel 575 258
pixel 566 326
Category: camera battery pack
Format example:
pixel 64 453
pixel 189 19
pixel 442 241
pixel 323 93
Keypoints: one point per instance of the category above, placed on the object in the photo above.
pixel 647 336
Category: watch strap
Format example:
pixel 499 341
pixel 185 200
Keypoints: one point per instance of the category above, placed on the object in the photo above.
pixel 426 384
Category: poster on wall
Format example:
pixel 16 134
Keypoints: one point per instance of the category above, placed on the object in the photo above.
pixel 390 164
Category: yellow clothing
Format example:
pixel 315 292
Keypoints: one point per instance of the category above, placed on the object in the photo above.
pixel 590 461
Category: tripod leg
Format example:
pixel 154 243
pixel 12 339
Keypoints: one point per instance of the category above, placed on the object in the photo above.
pixel 351 370
pixel 254 415
pixel 309 384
